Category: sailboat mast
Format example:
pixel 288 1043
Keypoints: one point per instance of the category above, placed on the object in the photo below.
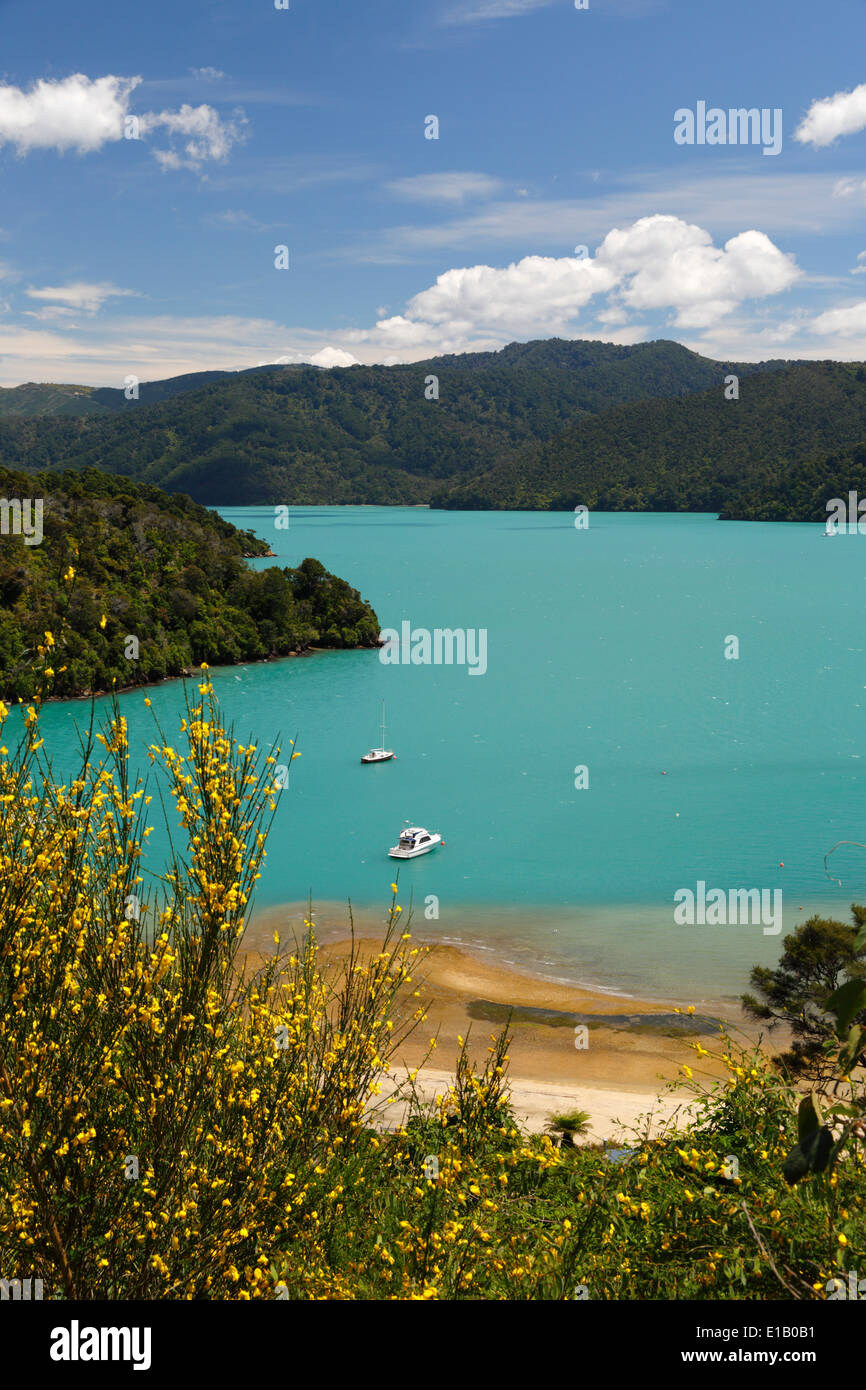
pixel 383 726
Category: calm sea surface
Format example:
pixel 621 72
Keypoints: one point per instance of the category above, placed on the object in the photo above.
pixel 605 650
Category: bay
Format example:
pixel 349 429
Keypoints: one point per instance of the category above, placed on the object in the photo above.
pixel 605 651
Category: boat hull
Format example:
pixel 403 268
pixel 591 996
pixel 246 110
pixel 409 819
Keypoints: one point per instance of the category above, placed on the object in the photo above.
pixel 377 757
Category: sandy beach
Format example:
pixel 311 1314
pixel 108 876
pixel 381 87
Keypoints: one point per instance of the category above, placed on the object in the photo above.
pixel 616 1068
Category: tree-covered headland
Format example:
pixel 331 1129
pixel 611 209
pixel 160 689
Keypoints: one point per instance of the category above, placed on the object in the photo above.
pixel 128 584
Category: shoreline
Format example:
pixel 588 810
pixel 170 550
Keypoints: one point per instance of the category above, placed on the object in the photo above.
pixel 618 1068
pixel 194 673
pixel 332 925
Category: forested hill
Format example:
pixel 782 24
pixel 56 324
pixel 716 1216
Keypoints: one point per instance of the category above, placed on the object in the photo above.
pixel 801 491
pixel 50 398
pixel 119 561
pixel 763 456
pixel 305 435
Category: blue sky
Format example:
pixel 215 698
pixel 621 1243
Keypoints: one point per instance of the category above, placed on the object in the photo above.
pixel 305 127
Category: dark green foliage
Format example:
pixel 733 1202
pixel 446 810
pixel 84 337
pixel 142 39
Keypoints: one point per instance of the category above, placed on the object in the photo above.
pixel 812 1150
pixel 762 457
pixel 301 435
pixel 162 569
pixel 798 991
pixel 801 492
pixel 809 1155
pixel 541 425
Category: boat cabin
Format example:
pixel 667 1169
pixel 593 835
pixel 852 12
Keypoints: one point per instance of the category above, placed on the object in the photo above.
pixel 414 836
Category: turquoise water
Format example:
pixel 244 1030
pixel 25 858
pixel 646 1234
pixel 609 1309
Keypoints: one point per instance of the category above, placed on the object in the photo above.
pixel 605 648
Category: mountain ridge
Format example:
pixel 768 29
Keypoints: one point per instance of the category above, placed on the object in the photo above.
pixel 305 435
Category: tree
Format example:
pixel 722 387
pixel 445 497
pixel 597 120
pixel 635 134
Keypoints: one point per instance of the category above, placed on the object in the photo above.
pixel 569 1126
pixel 308 578
pixel 817 957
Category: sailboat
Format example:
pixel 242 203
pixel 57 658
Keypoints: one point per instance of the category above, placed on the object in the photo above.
pixel 379 755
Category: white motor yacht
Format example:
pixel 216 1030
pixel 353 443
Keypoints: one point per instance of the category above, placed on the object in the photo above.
pixel 415 840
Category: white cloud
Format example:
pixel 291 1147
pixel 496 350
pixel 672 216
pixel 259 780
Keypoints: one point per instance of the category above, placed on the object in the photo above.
pixel 660 266
pixel 325 357
pixel 77 113
pixel 210 136
pixel 674 265
pixel 237 220
pixel 53 313
pixel 234 217
pixel 74 113
pixel 859 269
pixel 837 334
pixel 613 316
pixel 207 74
pixel 447 187
pixel 780 204
pixel 80 295
pixel 848 321
pixel 522 298
pixel 844 113
pixel 659 262
pixel 101 352
pixel 476 11
pixel 848 187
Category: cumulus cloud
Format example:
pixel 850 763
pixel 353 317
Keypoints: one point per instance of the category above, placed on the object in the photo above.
pixel 517 299
pixel 325 357
pixel 74 113
pixel 663 263
pixel 83 114
pixel 80 295
pixel 658 263
pixel 446 188
pixel 844 113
